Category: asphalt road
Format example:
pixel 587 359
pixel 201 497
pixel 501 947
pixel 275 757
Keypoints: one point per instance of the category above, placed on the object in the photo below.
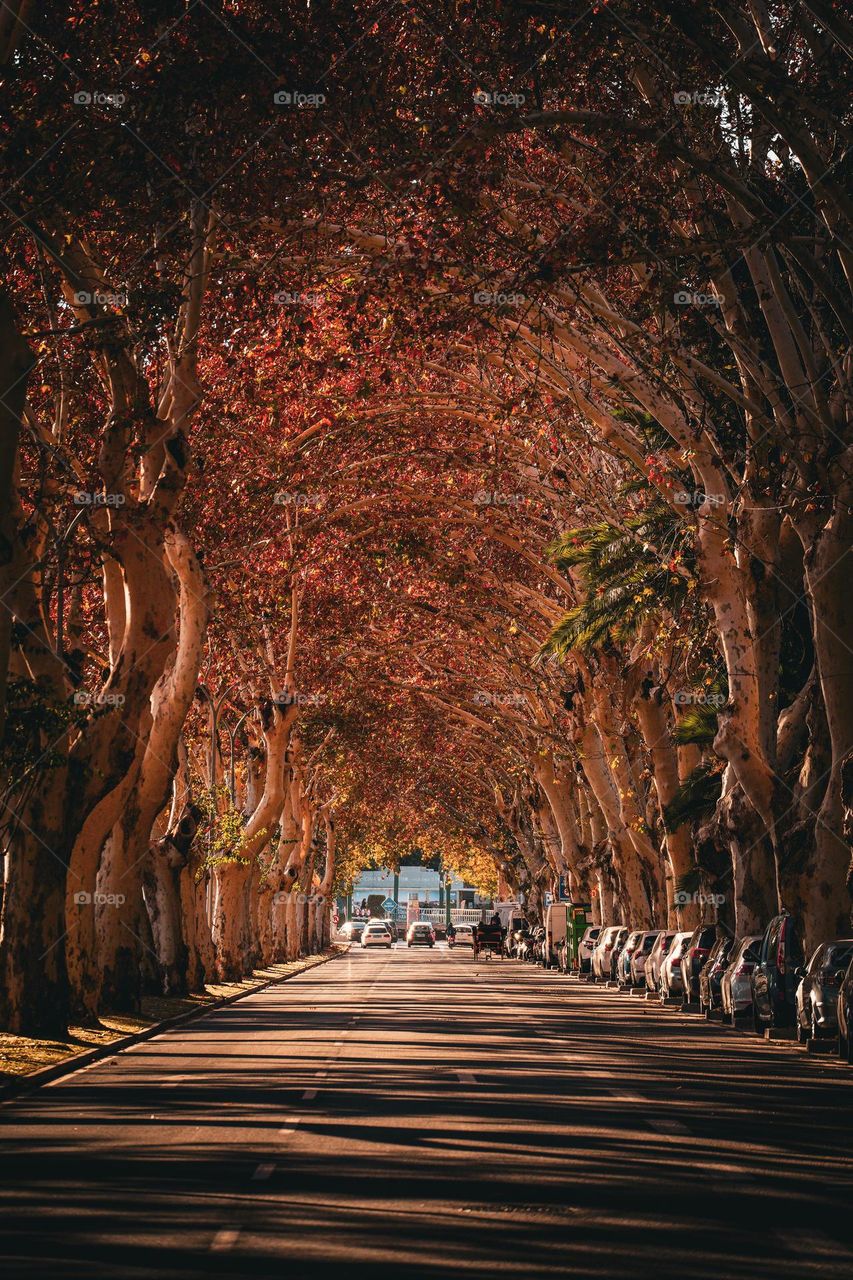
pixel 413 1113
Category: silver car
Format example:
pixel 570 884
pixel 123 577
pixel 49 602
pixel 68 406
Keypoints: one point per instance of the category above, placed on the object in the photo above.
pixel 640 955
pixel 735 988
pixel 655 958
pixel 603 948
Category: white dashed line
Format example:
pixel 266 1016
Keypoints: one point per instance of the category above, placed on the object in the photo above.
pixel 224 1240
pixel 263 1172
pixel 466 1077
pixel 667 1126
pixel 814 1245
pixel 309 1094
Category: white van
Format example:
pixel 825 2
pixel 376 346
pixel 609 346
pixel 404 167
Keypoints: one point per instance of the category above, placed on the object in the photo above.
pixel 556 929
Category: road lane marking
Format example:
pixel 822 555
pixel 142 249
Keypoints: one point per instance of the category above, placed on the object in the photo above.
pixel 812 1244
pixel 466 1077
pixel 667 1126
pixel 320 1075
pixel 309 1095
pixel 287 1129
pixel 263 1172
pixel 225 1240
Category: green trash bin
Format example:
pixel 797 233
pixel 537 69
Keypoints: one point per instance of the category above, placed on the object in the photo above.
pixel 576 927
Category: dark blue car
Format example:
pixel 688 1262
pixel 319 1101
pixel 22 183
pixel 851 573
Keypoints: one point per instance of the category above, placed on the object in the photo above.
pixel 775 979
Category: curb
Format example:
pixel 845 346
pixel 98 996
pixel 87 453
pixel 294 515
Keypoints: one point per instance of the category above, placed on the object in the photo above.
pixel 36 1079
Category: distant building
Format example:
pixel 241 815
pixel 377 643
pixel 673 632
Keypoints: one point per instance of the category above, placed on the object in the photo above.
pixel 412 881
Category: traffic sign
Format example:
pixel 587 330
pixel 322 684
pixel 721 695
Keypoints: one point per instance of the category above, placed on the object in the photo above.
pixel 389 904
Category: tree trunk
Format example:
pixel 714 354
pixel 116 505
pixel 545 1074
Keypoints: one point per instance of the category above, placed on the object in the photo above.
pixel 230 925
pixel 16 361
pixel 817 890
pixel 656 736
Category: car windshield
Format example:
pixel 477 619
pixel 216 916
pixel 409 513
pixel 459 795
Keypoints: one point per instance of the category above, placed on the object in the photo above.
pixel 838 955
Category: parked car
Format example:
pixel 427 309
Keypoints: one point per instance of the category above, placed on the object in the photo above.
pixel 420 934
pixel 710 998
pixel 352 930
pixel 816 998
pixel 736 985
pixel 640 956
pixel 586 947
pixel 844 1012
pixel 463 936
pixel 623 965
pixel 670 982
pixel 656 957
pixel 616 952
pixel 774 978
pixel 376 934
pixel 601 954
pixel 693 959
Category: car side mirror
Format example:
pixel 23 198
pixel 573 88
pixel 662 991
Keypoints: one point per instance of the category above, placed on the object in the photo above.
pixel 800 971
pixel 839 976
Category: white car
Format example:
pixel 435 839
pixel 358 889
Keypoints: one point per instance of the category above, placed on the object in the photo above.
pixel 586 947
pixel 377 934
pixel 603 948
pixel 671 982
pixel 463 936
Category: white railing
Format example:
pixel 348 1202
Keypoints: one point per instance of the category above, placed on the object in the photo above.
pixel 459 915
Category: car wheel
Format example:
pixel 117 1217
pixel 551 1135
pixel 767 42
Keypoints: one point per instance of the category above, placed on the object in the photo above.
pixel 757 1024
pixel 802 1033
pixel 815 1030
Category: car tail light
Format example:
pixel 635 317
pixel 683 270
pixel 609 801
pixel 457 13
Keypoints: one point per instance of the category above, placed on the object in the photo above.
pixel 743 969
